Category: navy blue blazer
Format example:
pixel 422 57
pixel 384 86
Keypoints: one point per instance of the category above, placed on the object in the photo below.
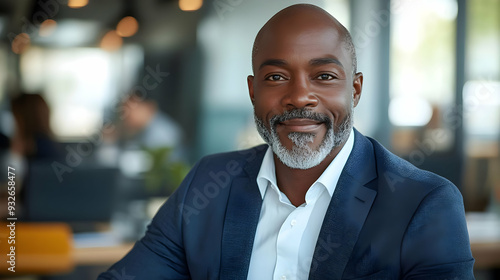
pixel 387 220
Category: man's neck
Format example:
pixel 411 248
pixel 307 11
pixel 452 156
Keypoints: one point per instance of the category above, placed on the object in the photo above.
pixel 294 183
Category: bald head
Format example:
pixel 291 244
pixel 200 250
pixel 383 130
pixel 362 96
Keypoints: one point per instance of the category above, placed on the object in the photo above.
pixel 299 18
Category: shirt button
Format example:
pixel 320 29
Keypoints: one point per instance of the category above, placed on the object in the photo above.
pixel 293 222
pixel 283 277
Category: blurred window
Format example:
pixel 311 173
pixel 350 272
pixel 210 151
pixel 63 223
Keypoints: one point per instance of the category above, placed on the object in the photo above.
pixel 481 108
pixel 78 84
pixel 482 91
pixel 422 73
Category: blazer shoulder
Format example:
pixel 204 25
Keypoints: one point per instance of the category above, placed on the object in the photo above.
pixel 240 156
pixel 397 170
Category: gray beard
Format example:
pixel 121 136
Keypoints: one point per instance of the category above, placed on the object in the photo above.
pixel 301 156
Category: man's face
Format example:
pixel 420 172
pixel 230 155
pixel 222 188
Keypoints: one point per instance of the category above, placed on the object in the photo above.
pixel 136 114
pixel 303 93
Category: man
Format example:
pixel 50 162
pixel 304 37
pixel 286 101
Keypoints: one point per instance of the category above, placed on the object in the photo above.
pixel 145 125
pixel 323 201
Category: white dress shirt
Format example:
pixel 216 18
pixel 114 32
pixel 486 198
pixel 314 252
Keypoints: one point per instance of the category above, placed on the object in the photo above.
pixel 286 235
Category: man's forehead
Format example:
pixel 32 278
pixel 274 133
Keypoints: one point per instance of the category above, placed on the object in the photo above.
pixel 300 26
pixel 302 13
pixel 301 16
pixel 308 44
pixel 301 36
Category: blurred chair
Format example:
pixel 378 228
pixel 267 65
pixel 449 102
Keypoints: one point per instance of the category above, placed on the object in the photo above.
pixel 40 248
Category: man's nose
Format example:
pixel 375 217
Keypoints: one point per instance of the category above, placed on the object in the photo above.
pixel 300 94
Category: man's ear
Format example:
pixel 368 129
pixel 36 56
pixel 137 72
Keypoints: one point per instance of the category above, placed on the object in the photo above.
pixel 250 88
pixel 357 85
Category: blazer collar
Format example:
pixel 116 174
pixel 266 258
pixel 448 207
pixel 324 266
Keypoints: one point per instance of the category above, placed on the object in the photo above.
pixel 346 214
pixel 242 216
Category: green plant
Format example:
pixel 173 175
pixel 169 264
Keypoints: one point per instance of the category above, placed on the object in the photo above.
pixel 165 174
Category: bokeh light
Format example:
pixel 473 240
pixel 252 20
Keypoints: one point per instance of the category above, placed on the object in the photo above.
pixel 127 26
pixel 47 28
pixel 190 5
pixel 111 41
pixel 21 43
pixel 76 4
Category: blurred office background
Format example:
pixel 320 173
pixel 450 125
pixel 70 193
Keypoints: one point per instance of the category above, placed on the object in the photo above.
pixel 137 91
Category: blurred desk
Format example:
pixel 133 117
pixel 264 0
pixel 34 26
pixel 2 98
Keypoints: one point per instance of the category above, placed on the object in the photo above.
pixel 484 234
pixel 487 255
pixel 98 248
pixel 101 255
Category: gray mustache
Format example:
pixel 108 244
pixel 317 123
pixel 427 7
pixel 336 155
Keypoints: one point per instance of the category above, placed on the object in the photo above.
pixel 300 114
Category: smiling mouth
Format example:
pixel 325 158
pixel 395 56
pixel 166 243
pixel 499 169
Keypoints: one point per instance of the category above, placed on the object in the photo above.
pixel 301 125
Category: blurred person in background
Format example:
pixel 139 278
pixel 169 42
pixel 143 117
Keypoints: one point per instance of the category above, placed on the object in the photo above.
pixel 4 155
pixel 148 145
pixel 145 125
pixel 33 138
pixel 4 142
pixel 4 147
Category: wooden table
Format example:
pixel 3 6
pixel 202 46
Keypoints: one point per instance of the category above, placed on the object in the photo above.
pixel 101 255
pixel 487 255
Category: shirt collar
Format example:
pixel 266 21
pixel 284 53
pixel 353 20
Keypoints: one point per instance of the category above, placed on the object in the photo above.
pixel 328 179
pixel 267 174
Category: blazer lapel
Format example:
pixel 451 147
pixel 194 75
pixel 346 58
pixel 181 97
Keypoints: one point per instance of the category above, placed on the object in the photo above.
pixel 346 214
pixel 242 217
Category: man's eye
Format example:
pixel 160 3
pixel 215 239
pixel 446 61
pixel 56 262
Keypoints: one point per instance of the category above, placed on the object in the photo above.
pixel 326 77
pixel 275 78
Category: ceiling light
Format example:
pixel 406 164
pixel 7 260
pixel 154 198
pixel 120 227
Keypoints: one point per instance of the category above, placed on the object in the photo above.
pixel 190 5
pixel 76 4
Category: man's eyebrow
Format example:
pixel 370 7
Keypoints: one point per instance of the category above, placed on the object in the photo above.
pixel 273 62
pixel 325 60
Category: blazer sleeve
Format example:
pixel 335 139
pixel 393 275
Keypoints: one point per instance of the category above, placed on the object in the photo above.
pixel 160 253
pixel 436 243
